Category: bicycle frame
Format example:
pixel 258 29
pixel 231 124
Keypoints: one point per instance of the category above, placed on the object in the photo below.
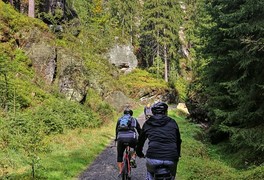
pixel 126 167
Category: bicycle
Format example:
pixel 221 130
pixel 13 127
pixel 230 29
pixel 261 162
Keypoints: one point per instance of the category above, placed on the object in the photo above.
pixel 162 172
pixel 126 166
pixel 147 117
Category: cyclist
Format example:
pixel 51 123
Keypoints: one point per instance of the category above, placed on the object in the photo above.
pixel 126 135
pixel 147 111
pixel 164 147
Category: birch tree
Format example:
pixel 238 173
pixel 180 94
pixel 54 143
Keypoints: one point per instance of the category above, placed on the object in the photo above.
pixel 31 8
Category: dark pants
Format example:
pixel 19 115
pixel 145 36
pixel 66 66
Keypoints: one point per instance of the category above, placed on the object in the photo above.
pixel 153 163
pixel 121 148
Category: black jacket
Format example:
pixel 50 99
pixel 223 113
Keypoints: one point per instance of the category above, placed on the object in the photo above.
pixel 164 138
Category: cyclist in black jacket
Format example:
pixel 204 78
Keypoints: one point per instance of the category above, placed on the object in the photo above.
pixel 164 145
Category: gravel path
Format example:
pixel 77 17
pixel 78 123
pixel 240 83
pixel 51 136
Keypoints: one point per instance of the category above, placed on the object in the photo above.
pixel 105 167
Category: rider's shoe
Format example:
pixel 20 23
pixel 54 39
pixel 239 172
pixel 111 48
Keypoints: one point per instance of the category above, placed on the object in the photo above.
pixel 119 176
pixel 133 163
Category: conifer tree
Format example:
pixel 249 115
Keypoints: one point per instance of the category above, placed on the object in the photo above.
pixel 127 15
pixel 233 77
pixel 159 34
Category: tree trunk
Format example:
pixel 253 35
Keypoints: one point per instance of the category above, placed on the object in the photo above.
pixel 31 8
pixel 131 32
pixel 165 63
pixel 158 54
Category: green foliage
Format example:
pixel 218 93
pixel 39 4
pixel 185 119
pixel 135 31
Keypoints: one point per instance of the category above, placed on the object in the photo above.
pixel 53 18
pixel 17 21
pixel 22 134
pixel 181 86
pixel 200 160
pixel 159 35
pixel 127 14
pixel 157 68
pixel 231 81
pixel 95 102
pixel 17 89
pixel 68 154
pixel 26 132
pixel 58 115
pixel 140 81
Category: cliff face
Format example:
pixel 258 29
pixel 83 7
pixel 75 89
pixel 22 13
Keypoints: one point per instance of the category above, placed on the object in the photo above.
pixel 66 70
pixel 60 67
pixel 68 65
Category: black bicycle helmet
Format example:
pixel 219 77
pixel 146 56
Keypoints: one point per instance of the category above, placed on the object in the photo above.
pixel 128 111
pixel 159 108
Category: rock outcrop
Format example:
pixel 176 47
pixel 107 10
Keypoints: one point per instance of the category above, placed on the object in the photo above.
pixel 123 57
pixel 57 66
pixel 44 59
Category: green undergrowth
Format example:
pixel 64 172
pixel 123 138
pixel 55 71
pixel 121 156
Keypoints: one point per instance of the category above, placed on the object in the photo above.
pixel 64 155
pixel 202 161
pixel 140 81
pixel 12 21
pixel 68 154
pixel 181 86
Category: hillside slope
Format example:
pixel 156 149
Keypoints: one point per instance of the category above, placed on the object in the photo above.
pixel 52 83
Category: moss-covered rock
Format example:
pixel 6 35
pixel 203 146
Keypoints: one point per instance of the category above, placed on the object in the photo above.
pixel 44 59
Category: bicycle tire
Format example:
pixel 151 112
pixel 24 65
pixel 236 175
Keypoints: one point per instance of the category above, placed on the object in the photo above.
pixel 124 170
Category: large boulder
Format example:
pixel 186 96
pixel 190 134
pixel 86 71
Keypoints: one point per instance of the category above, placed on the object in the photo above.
pixel 72 76
pixel 43 58
pixel 122 56
pixel 59 66
pixel 73 83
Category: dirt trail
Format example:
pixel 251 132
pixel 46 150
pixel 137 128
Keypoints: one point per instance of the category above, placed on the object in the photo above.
pixel 105 167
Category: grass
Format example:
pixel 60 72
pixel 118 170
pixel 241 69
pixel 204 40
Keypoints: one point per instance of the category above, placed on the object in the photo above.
pixel 201 161
pixel 74 151
pixel 71 153
pixel 68 154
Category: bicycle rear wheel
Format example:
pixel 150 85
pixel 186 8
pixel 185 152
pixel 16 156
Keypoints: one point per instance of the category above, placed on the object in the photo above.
pixel 126 173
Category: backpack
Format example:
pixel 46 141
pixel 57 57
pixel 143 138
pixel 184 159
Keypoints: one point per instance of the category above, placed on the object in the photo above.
pixel 127 132
pixel 125 123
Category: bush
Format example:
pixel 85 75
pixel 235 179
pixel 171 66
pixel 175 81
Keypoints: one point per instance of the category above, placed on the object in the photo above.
pixel 57 115
pixel 140 82
pixel 95 102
